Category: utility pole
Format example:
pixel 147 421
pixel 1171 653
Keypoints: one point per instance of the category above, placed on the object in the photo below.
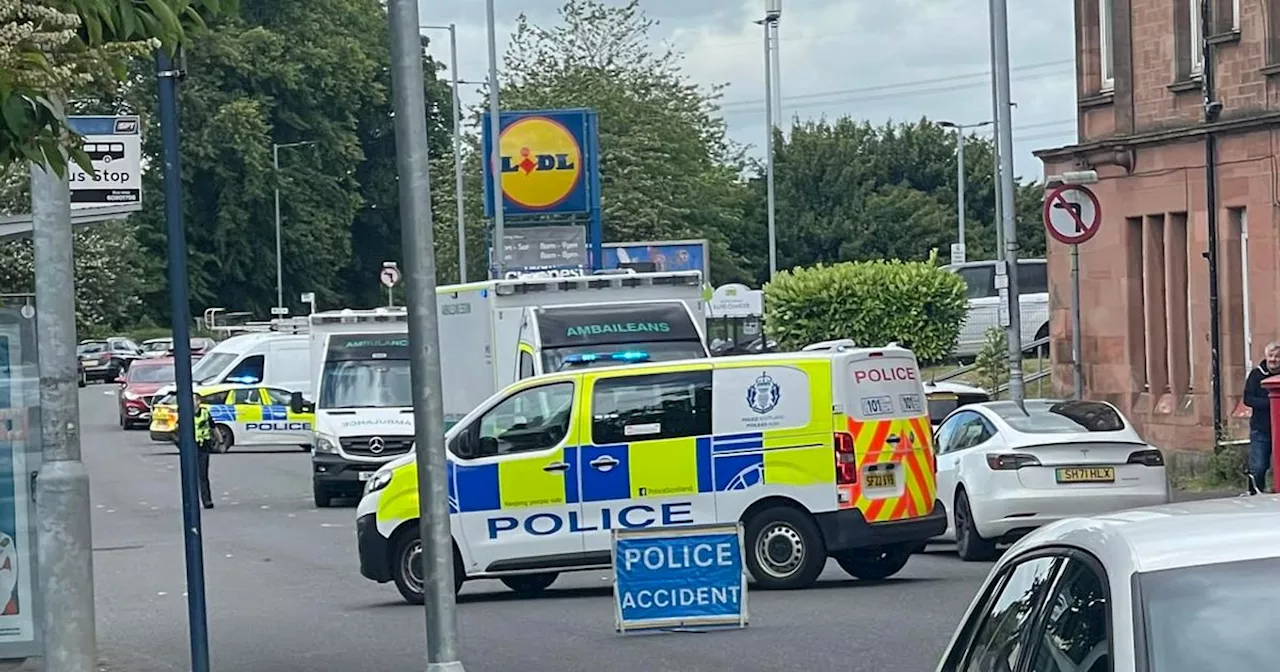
pixel 960 176
pixel 1004 135
pixel 64 538
pixel 495 155
pixel 275 161
pixel 457 147
pixel 417 240
pixel 1212 110
pixel 169 76
pixel 995 145
pixel 773 11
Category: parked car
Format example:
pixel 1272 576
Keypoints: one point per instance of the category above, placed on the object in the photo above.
pixel 201 345
pixel 157 347
pixel 1178 588
pixel 984 302
pixel 1004 470
pixel 106 359
pixel 138 387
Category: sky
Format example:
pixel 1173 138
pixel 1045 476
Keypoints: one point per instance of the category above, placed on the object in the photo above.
pixel 877 60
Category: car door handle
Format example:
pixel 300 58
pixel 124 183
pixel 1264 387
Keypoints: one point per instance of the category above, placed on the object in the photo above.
pixel 557 466
pixel 604 462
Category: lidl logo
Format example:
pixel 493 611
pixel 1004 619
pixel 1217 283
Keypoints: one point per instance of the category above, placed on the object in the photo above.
pixel 541 162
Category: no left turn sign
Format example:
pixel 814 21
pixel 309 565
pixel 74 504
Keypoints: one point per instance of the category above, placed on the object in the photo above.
pixel 390 276
pixel 1072 214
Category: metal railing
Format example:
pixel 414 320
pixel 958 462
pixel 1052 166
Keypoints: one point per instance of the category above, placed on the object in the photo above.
pixel 1041 373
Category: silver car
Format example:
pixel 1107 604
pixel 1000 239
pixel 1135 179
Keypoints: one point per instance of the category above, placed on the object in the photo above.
pixel 1175 588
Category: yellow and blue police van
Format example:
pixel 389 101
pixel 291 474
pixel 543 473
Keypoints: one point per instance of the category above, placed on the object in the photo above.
pixel 243 415
pixel 818 454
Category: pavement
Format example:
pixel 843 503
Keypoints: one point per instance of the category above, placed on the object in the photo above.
pixel 285 593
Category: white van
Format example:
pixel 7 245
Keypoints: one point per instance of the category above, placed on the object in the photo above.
pixel 275 359
pixel 984 302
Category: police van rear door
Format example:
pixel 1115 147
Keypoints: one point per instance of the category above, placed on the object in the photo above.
pixel 887 417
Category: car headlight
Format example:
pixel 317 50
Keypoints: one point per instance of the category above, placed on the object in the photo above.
pixel 378 481
pixel 132 396
pixel 326 444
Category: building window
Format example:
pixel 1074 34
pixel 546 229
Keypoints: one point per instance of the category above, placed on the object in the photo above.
pixel 1196 43
pixel 1106 46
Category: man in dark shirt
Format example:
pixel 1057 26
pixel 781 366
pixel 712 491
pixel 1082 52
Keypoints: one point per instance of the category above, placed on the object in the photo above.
pixel 1257 399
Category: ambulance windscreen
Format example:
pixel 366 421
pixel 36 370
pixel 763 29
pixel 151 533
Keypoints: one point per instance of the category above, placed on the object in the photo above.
pixel 594 336
pixel 365 371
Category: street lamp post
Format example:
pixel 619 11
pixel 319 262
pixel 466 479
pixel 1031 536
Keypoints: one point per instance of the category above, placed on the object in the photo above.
pixel 275 161
pixel 773 12
pixel 495 153
pixel 960 129
pixel 457 146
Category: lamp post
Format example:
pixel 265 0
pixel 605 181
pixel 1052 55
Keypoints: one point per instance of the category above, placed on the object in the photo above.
pixel 275 161
pixel 772 14
pixel 457 146
pixel 960 255
pixel 495 153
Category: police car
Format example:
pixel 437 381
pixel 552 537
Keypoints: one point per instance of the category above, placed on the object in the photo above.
pixel 818 454
pixel 243 415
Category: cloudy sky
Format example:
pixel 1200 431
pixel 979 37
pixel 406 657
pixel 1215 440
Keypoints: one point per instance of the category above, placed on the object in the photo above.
pixel 872 59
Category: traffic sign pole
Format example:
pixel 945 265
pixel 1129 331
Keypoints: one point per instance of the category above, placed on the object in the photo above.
pixel 1071 216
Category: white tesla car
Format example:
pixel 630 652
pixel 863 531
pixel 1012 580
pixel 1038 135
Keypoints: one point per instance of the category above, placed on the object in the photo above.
pixel 1004 470
pixel 1178 588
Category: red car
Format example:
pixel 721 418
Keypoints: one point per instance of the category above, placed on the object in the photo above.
pixel 138 387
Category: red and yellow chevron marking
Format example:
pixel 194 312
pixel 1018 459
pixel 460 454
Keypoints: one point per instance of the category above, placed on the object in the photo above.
pixel 914 456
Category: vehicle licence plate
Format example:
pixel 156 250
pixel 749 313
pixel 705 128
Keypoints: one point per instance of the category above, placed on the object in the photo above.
pixel 1086 474
pixel 880 479
pixel 365 475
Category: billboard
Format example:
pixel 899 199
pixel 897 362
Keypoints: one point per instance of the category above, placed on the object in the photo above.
pixel 660 255
pixel 548 162
pixel 19 458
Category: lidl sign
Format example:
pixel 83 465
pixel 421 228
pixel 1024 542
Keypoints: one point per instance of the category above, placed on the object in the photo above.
pixel 545 162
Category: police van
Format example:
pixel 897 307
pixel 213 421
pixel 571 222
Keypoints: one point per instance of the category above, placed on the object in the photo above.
pixel 819 454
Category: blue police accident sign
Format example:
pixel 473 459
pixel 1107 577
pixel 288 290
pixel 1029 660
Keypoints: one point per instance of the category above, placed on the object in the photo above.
pixel 679 577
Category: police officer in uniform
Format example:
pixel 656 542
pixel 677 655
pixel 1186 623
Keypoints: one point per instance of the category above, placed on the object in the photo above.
pixel 204 446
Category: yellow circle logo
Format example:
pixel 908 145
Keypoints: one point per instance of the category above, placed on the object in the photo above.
pixel 541 163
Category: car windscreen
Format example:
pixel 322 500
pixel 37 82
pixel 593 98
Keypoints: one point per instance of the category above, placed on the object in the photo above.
pixel 617 354
pixel 151 374
pixel 1060 417
pixel 366 371
pixel 1211 618
pixel 211 365
pixel 571 326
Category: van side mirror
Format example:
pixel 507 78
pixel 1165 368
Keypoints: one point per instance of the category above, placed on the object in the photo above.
pixel 464 445
pixel 297 403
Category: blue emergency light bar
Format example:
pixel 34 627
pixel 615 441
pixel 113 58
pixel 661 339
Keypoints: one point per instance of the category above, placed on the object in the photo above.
pixel 627 356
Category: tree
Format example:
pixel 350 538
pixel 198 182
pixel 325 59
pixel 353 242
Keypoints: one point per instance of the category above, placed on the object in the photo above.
pixel 667 169
pixel 49 50
pixel 107 281
pixel 288 71
pixel 847 190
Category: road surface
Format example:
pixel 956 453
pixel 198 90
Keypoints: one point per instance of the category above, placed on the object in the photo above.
pixel 285 593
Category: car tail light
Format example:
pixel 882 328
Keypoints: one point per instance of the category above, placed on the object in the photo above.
pixel 846 459
pixel 1011 462
pixel 1148 458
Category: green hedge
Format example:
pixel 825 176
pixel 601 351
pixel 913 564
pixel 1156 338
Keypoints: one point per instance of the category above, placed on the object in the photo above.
pixel 916 304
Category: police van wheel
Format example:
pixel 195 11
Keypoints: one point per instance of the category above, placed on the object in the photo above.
pixel 784 549
pixel 530 584
pixel 875 564
pixel 406 567
pixel 322 496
